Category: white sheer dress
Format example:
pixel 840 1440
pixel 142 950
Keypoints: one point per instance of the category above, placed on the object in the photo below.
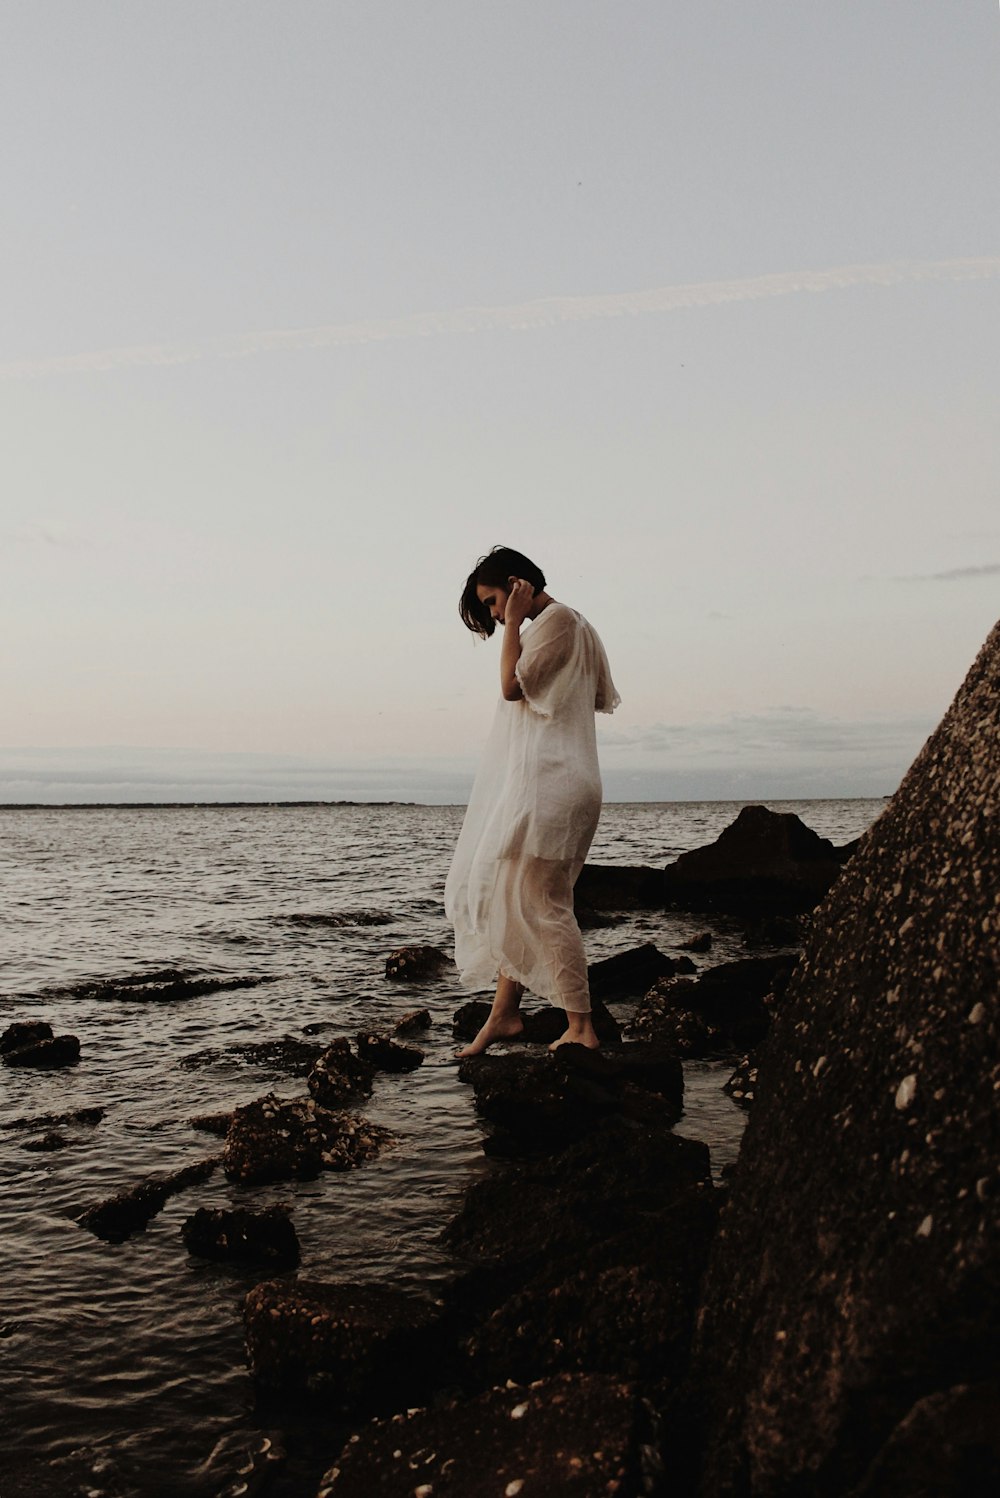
pixel 531 818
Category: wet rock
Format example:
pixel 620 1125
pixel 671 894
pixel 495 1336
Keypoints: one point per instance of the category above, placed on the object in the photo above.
pixel 415 964
pixel 386 1054
pixel 265 1236
pixel 365 1347
pixel 212 1123
pixel 274 1139
pixel 777 931
pixel 727 1008
pixel 541 1026
pixel 854 1275
pixel 118 1217
pixel 631 973
pixel 764 863
pixel 47 1143
pixel 50 1120
pixel 336 918
pixel 161 986
pixel 578 1436
pixel 619 887
pixel 742 1085
pixel 339 1075
pixel 289 1054
pixel 46 1054
pixel 946 1446
pixel 417 1019
pixel 24 1033
pixel 702 942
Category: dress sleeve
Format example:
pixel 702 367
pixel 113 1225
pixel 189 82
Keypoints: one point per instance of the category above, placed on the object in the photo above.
pixel 549 664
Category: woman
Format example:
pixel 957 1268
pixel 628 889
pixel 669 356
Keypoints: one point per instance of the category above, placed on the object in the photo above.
pixel 535 803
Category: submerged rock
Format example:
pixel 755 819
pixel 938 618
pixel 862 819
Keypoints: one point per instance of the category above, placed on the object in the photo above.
pixel 53 1140
pixel 365 1347
pixel 386 1054
pixel 577 1436
pixel 764 863
pixel 338 1075
pixel 118 1217
pixel 274 1139
pixel 160 986
pixel 212 1123
pixel 417 1019
pixel 854 1282
pixel 288 1054
pixel 415 964
pixel 50 1120
pixel 23 1033
pixel 265 1236
pixel 45 1052
pixel 336 918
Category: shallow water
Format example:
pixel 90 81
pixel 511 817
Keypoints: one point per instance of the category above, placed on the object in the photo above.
pixel 123 1369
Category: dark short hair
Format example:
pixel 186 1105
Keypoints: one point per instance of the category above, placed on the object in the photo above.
pixel 495 570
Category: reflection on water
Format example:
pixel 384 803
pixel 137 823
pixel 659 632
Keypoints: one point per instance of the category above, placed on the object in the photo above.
pixel 131 1356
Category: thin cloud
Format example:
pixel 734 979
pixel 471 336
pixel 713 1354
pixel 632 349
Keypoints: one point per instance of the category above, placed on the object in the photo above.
pixel 954 574
pixel 771 735
pixel 514 318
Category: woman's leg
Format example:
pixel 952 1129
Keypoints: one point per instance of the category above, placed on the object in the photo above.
pixel 504 1022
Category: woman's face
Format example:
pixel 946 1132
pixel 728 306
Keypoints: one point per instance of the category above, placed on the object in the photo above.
pixel 495 599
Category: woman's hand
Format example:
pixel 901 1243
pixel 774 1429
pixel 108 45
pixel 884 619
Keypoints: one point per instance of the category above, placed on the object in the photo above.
pixel 519 600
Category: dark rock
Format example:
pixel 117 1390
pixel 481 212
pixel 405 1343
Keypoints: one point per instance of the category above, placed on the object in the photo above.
pixel 365 1347
pixel 417 1019
pixel 727 1008
pixel 47 1054
pixel 661 1017
pixel 24 1033
pixel 48 1142
pixel 289 1054
pixel 161 986
pixel 386 1054
pixel 265 1236
pixel 541 1026
pixel 212 1123
pixel 575 1436
pixel 589 919
pixel 742 1085
pixel 946 1446
pixel 415 964
pixel 118 1217
pixel 339 1076
pixel 619 887
pixel 854 1277
pixel 764 863
pixel 606 1181
pixel 317 1027
pixel 630 973
pixel 278 1140
pixel 50 1120
pixel 777 931
pixel 335 918
pixel 700 943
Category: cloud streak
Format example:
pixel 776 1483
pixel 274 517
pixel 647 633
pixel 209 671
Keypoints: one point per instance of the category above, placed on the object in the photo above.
pixel 953 574
pixel 547 312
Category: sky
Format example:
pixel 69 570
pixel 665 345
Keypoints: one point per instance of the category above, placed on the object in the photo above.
pixel 307 305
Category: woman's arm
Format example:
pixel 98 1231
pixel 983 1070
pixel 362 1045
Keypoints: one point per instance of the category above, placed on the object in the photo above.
pixel 519 601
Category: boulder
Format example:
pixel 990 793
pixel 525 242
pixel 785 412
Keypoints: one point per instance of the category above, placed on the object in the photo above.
pixel 578 1436
pixel 385 1054
pixel 364 1347
pixel 946 1446
pixel 118 1217
pixel 764 863
pixel 619 887
pixel 243 1236
pixel 628 974
pixel 46 1054
pixel 23 1033
pixel 541 1026
pixel 416 1019
pixel 726 1008
pixel 339 1076
pixel 275 1139
pixel 854 1283
pixel 415 964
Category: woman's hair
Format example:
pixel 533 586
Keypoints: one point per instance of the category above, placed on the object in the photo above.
pixel 495 570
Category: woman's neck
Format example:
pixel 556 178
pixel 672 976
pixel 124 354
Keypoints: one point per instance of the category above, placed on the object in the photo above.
pixel 540 602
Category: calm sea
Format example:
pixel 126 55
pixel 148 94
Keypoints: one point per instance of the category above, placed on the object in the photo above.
pixel 122 1366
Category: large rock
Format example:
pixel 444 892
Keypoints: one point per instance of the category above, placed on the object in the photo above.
pixel 727 1008
pixel 338 1076
pixel 365 1347
pixel 576 1436
pixel 239 1235
pixel 764 863
pixel 855 1278
pixel 22 1033
pixel 628 974
pixel 619 887
pixel 275 1139
pixel 46 1054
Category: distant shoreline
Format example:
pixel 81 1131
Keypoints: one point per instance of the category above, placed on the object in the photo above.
pixel 236 805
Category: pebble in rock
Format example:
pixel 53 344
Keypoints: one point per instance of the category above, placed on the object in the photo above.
pixel 415 964
pixel 275 1139
pixel 266 1236
pixel 338 1076
pixel 577 1436
pixel 118 1217
pixel 386 1054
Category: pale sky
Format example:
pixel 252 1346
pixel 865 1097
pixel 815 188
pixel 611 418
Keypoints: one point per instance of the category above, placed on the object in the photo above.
pixel 307 305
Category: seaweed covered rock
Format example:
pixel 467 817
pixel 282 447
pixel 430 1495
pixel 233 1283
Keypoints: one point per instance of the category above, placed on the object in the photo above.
pixel 364 1347
pixel 386 1054
pixel 338 1076
pixel 578 1436
pixel 118 1217
pixel 764 863
pixel 275 1139
pixel 239 1235
pixel 855 1281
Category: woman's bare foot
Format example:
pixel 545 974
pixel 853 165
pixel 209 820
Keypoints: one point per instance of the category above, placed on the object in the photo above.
pixel 503 1028
pixel 579 1031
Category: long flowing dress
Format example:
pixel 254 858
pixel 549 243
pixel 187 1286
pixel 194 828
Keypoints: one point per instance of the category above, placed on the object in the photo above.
pixel 531 818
